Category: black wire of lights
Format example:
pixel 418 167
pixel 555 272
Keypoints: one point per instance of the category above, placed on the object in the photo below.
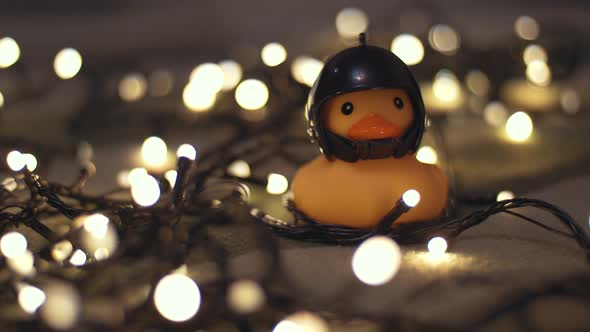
pixel 131 260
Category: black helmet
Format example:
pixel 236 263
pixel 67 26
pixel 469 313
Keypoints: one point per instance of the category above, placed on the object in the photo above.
pixel 362 68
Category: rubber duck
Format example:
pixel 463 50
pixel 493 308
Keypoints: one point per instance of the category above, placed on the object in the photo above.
pixel 366 113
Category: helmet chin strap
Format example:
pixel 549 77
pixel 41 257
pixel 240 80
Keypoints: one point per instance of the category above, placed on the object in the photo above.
pixel 351 151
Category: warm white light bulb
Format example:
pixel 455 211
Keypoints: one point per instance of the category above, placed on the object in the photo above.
pixel 534 52
pixel 427 155
pixel 350 22
pixel 408 48
pixel 96 224
pixel 495 114
pixel 306 70
pixel 187 150
pixel 145 191
pixel 23 264
pixel 9 52
pixel 30 298
pixel 377 260
pixel 519 127
pixel 273 54
pixel 62 306
pixel 78 258
pixel 13 244
pixel 538 72
pixel 526 28
pixel 62 250
pixel 209 76
pixel 477 82
pixel 252 94
pixel 446 86
pixel 177 297
pixel 154 151
pixel 135 175
pixel 302 321
pixel 15 160
pixel 171 176
pixel 132 87
pixel 411 197
pixel 504 195
pixel 197 98
pixel 232 74
pixel 444 39
pixel 437 246
pixel 30 161
pixel 245 296
pixel 277 184
pixel 67 63
pixel 239 168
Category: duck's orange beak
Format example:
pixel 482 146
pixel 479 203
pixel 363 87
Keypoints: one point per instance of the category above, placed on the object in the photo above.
pixel 372 126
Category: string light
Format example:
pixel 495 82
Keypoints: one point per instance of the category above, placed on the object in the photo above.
pixel 1 99
pixel 350 22
pixel 198 99
pixel 62 306
pixel 446 86
pixel 145 191
pixel 85 152
pixel 408 48
pixel 208 76
pixel 477 82
pixel 519 127
pixel 411 197
pixel 30 298
pixel 239 168
pixel 504 195
pixel 154 151
pixel 23 264
pixel 437 246
pixel 101 254
pixel 495 113
pixel 186 150
pixel 15 160
pixel 273 54
pixel 251 94
pixel 444 39
pixel 13 244
pixel 78 258
pixel 534 52
pixel 305 70
pixel 123 179
pixel 30 161
pixel 427 155
pixel 245 296
pixel 171 176
pixel 177 297
pixel 62 250
pixel 302 321
pixel 538 72
pixel 132 87
pixel 277 184
pixel 67 63
pixel 96 224
pixel 377 260
pixel 526 28
pixel 9 184
pixel 9 52
pixel 136 175
pixel 232 74
pixel 570 101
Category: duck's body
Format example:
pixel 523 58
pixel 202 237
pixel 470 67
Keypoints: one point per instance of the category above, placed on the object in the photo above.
pixel 359 194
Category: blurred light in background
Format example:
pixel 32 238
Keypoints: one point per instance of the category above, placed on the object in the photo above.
pixel 526 28
pixel 495 113
pixel 437 246
pixel 62 250
pixel 13 244
pixel 504 195
pixel 9 52
pixel 277 184
pixel 534 52
pixel 519 127
pixel 67 63
pixel 302 321
pixel 154 151
pixel 538 72
pixel 15 160
pixel 30 298
pixel 444 39
pixel 62 306
pixel 30 161
pixel 171 176
pixel 1 99
pixel 232 74
pixel 306 69
pixel 350 22
pixel 245 296
pixel 209 76
pixel 408 48
pixel 196 98
pixel 132 87
pixel 187 150
pixel 239 168
pixel 446 86
pixel 251 94
pixel 78 258
pixel 145 191
pixel 477 82
pixel 427 155
pixel 161 83
pixel 273 54
pixel 135 175
pixel 376 260
pixel 570 101
pixel 9 184
pixel 177 297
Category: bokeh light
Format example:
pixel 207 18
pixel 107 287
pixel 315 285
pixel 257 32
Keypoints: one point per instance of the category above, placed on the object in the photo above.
pixel 187 150
pixel 239 168
pixel 198 99
pixel 377 260
pixel 277 184
pixel 245 296
pixel 534 52
pixel 9 52
pixel 570 101
pixel 232 74
pixel 62 306
pixel 30 161
pixel 132 87
pixel 62 250
pixel 273 54
pixel 145 191
pixel 177 297
pixel 67 63
pixel 78 258
pixel 171 176
pixel 408 48
pixel 350 22
pixel 251 94
pixel 427 155
pixel 305 69
pixel 30 298
pixel 526 28
pixel 446 86
pixel 13 244
pixel 495 114
pixel 437 246
pixel 302 321
pixel 477 82
pixel 9 184
pixel 209 76
pixel 538 72
pixel 444 39
pixel 519 127
pixel 154 151
pixel 504 195
pixel 411 197
pixel 15 160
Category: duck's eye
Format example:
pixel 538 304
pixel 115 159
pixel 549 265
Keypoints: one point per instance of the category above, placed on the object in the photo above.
pixel 347 108
pixel 398 102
